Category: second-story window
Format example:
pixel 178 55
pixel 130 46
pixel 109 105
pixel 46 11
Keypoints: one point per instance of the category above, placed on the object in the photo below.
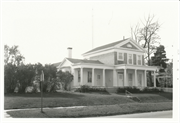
pixel 120 56
pixel 130 58
pixel 139 59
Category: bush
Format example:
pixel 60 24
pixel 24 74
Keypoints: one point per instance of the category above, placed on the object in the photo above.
pixel 130 89
pixel 137 90
pixel 151 90
pixel 86 88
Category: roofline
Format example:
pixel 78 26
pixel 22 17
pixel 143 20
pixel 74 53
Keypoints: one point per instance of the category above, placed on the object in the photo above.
pixel 85 54
pixel 113 47
pixel 92 64
pixel 137 44
pixel 105 45
pixel 63 62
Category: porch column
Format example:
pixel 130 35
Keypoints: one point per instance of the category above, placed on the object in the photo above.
pixel 154 79
pixel 125 82
pixel 81 75
pixel 92 76
pixel 145 79
pixel 104 83
pixel 74 77
pixel 114 78
pixel 135 77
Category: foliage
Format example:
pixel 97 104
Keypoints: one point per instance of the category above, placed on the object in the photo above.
pixel 130 89
pixel 151 90
pixel 65 78
pixel 12 55
pixel 86 88
pixel 137 90
pixel 159 58
pixel 26 75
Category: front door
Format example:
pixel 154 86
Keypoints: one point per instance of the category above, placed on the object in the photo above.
pixel 130 79
pixel 98 80
pixel 120 79
pixel 139 79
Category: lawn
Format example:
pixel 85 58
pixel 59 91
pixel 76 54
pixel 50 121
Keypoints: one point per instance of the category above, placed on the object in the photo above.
pixel 92 111
pixel 61 99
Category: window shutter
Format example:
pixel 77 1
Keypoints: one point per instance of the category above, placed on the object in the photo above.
pixel 115 58
pixel 134 59
pixel 125 58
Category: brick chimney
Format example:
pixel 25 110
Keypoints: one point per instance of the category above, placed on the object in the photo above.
pixel 69 52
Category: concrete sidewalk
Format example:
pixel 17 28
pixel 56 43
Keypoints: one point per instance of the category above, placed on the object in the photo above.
pixel 6 115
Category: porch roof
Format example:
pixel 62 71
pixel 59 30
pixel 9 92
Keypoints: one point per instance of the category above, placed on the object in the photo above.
pixel 138 67
pixel 84 61
pixel 90 65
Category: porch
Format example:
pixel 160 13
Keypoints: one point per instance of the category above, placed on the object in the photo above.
pixel 112 76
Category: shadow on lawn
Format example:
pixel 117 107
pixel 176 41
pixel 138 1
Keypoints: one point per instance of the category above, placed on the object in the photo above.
pixel 47 95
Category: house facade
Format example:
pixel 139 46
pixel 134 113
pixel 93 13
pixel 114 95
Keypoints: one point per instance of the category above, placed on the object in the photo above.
pixel 117 64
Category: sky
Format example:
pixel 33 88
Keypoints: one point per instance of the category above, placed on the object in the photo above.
pixel 44 30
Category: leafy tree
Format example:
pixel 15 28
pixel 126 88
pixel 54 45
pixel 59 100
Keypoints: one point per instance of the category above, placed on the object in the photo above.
pixel 12 55
pixel 159 58
pixel 65 78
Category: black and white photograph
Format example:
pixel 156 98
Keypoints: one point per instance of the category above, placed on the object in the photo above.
pixel 90 61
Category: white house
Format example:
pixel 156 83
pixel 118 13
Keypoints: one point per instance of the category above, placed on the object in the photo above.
pixel 117 64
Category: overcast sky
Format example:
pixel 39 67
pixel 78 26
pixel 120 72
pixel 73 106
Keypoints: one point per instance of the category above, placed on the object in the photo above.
pixel 44 30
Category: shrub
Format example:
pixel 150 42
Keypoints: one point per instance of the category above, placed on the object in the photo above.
pixel 86 88
pixel 137 90
pixel 151 90
pixel 130 89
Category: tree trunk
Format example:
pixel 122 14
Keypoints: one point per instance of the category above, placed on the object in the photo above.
pixel 149 64
pixel 150 79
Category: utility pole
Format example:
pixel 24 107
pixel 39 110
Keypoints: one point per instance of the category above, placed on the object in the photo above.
pixel 92 28
pixel 42 80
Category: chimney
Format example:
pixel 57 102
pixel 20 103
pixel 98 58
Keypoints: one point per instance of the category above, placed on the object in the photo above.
pixel 69 52
pixel 123 37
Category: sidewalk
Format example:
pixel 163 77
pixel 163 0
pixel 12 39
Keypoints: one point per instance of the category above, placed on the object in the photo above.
pixel 6 115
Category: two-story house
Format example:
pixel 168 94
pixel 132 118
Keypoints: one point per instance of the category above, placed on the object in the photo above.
pixel 117 64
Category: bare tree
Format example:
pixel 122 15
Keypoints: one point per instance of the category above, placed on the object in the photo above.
pixel 147 37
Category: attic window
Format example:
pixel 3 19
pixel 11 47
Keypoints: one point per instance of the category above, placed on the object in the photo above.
pixel 129 45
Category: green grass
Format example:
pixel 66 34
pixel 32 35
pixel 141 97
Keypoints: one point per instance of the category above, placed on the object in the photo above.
pixel 93 111
pixel 21 101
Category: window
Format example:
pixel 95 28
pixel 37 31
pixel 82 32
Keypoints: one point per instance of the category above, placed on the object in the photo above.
pixel 139 59
pixel 79 77
pixel 130 58
pixel 89 76
pixel 120 56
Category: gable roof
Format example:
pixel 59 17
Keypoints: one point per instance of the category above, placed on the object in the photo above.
pixel 84 61
pixel 56 64
pixel 106 46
